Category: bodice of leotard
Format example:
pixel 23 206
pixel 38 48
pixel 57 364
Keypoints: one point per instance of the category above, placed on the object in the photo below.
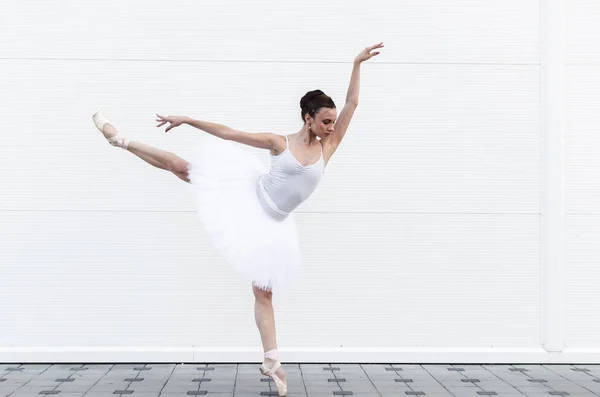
pixel 288 183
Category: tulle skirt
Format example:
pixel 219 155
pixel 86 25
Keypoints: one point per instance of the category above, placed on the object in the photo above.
pixel 265 250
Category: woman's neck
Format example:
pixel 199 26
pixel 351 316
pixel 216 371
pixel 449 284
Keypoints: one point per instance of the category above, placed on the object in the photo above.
pixel 306 137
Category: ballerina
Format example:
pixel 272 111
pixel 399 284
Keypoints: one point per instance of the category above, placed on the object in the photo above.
pixel 247 210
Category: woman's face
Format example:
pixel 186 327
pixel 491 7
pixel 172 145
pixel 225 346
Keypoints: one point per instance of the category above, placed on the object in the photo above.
pixel 322 125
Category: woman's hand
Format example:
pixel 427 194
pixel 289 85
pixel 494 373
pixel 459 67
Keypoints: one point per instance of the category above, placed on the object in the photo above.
pixel 366 54
pixel 174 121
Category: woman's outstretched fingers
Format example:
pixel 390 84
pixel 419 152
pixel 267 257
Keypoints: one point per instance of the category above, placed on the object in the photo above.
pixel 174 121
pixel 160 120
pixel 372 54
pixel 378 45
pixel 366 54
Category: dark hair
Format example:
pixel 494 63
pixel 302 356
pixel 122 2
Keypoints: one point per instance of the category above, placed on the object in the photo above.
pixel 313 101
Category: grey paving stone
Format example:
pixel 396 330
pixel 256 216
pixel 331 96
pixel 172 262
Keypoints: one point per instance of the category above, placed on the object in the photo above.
pixel 471 392
pixel 250 367
pixel 438 395
pixel 251 389
pixel 179 388
pixel 101 394
pixel 359 394
pixel 69 394
pixel 357 386
pixel 374 367
pixel 537 394
pixel 308 378
pixel 590 385
pixel 326 390
pixel 43 383
pixel 258 395
pixel 219 389
pixel 503 389
pixel 385 381
pixel 430 387
pixel 139 394
pixel 500 394
pixel 72 388
pixel 458 383
pixel 168 394
pixel 106 387
pixel 147 389
pixel 539 388
pixel 319 383
pixel 315 371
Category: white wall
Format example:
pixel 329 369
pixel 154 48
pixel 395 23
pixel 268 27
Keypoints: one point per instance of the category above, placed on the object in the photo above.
pixel 424 243
pixel 582 170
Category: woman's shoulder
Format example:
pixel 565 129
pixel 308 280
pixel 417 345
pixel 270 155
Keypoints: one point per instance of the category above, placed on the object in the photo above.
pixel 280 144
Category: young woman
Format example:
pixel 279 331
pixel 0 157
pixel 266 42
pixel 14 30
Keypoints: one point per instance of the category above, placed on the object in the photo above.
pixel 246 209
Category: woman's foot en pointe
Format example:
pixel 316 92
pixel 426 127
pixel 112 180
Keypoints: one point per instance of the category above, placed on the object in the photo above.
pixel 274 370
pixel 109 131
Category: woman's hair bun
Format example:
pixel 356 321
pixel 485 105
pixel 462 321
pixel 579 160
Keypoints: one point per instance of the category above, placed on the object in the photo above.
pixel 313 101
pixel 309 96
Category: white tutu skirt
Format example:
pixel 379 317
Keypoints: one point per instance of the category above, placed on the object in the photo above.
pixel 265 251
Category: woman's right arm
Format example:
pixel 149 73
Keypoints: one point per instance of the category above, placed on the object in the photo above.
pixel 264 140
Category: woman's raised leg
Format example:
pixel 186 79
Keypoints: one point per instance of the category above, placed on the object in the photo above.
pixel 153 156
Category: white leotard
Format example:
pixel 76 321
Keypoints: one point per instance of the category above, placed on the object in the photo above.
pixel 288 183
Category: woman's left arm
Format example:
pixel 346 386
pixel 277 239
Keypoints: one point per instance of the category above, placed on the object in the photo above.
pixel 343 120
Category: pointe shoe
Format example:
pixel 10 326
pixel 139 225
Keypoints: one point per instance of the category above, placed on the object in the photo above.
pixel 281 385
pixel 116 139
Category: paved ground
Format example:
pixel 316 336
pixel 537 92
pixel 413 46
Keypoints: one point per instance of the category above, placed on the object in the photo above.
pixel 308 380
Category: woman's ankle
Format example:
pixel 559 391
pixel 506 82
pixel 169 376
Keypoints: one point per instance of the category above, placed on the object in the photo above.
pixel 272 355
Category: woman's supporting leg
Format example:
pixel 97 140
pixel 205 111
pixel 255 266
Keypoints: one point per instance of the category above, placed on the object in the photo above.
pixel 153 156
pixel 264 316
